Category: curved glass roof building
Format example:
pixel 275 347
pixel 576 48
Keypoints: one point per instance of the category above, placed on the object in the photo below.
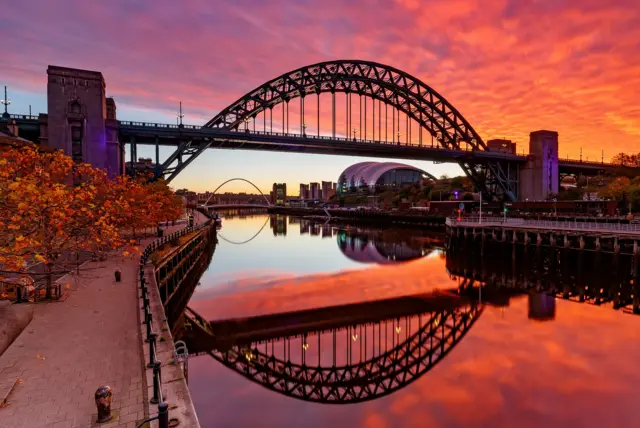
pixel 379 176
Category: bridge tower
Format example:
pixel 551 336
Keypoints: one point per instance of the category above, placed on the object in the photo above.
pixel 539 177
pixel 81 120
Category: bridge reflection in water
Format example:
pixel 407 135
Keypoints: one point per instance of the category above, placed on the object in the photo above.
pixel 341 354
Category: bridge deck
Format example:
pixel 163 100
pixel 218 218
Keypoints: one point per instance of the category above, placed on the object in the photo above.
pixel 245 331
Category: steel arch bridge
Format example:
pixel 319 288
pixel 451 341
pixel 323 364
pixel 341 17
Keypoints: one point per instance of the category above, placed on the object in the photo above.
pixel 416 111
pixel 206 204
pixel 402 349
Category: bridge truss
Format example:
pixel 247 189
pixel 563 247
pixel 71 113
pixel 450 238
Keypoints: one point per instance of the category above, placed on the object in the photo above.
pixel 419 118
pixel 333 366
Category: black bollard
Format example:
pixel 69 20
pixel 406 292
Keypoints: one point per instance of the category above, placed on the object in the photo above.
pixel 118 275
pixel 148 321
pixel 156 383
pixel 152 350
pixel 103 398
pixel 163 415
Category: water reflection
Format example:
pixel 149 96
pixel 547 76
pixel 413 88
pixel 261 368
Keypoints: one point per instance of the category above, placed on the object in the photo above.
pixel 526 361
pixel 343 354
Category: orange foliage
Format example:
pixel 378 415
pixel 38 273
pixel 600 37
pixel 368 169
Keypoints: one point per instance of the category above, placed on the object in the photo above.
pixel 51 206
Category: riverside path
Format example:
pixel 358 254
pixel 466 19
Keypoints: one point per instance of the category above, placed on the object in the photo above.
pixel 49 374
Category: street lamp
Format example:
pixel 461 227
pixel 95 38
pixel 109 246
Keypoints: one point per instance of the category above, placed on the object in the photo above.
pixel 355 131
pixel 304 129
pixel 246 124
pixel 398 137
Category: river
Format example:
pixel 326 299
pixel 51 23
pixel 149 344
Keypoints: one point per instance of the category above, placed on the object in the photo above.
pixel 498 359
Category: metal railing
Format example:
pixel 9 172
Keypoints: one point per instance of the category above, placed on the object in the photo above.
pixel 154 364
pixel 546 224
pixel 23 117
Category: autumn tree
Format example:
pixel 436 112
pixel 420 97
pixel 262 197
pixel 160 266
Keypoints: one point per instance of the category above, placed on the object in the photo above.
pixel 616 189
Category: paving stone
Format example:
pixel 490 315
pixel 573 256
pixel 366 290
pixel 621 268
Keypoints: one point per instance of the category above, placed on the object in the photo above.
pixel 72 347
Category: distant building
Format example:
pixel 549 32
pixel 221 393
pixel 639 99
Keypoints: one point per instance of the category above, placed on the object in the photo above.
pixel 371 177
pixel 304 191
pixel 503 146
pixel 279 193
pixel 314 191
pixel 142 166
pixel 328 190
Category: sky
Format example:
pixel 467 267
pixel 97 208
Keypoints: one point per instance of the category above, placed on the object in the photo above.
pixel 510 67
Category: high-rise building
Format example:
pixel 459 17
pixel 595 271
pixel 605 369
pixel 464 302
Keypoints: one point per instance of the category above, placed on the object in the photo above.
pixel 328 190
pixel 315 191
pixel 304 191
pixel 279 193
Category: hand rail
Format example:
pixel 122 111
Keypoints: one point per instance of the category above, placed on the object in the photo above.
pixel 551 224
pixel 154 363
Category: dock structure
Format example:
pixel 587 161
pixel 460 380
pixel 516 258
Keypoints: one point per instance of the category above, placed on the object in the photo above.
pixel 611 237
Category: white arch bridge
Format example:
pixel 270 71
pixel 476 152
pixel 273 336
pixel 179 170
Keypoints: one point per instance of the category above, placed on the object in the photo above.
pixel 208 206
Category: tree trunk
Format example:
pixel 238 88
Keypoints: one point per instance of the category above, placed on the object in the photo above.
pixel 49 281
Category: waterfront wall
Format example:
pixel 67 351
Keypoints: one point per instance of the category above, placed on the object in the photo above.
pixel 373 217
pixel 171 279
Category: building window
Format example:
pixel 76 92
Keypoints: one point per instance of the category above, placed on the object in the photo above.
pixel 76 143
pixel 75 107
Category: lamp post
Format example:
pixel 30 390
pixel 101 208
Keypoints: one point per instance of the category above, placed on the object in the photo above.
pixel 355 131
pixel 398 137
pixel 6 101
pixel 304 129
pixel 246 124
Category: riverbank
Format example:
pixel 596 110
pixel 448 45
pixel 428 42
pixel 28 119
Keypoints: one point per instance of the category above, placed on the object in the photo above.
pixel 73 346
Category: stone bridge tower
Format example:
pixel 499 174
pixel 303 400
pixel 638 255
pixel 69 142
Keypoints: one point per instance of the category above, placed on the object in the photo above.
pixel 539 177
pixel 81 120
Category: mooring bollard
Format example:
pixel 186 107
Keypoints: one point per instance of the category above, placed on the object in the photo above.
pixel 103 403
pixel 118 275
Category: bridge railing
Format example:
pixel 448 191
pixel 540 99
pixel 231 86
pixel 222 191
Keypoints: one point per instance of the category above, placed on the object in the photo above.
pixel 543 224
pixel 23 117
pixel 424 145
pixel 154 364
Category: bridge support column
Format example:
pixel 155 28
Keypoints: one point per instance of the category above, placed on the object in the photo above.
pixel 616 246
pixel 582 243
pixel 504 235
pixel 567 243
pixel 636 250
pixel 552 239
pixel 515 237
pixel 598 246
pixel 539 240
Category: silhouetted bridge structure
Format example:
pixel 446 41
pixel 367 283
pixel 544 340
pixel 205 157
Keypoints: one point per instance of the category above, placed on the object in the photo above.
pixel 376 111
pixel 342 354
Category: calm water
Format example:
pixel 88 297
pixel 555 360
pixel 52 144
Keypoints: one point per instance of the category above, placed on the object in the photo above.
pixel 524 361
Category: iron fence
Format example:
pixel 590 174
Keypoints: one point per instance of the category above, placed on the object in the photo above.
pixel 151 335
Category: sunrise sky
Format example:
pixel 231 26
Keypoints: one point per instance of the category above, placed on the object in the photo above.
pixel 509 66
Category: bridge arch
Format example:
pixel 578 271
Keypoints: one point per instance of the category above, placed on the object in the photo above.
pixel 237 179
pixel 374 80
pixel 391 86
pixel 397 364
pixel 246 241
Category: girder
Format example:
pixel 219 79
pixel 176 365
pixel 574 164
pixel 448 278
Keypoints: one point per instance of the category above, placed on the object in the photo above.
pixel 399 90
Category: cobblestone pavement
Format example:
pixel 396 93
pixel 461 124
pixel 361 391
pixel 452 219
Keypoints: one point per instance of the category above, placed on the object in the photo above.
pixel 72 347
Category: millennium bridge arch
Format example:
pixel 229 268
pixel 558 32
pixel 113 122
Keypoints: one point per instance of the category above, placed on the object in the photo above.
pixel 236 179
pixel 342 362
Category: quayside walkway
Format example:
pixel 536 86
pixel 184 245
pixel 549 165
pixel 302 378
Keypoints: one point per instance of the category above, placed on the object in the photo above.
pixel 49 374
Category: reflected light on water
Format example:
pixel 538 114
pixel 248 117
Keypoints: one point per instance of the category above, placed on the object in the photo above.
pixel 523 363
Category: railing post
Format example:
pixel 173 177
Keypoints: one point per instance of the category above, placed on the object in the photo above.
pixel 152 350
pixel 156 383
pixel 163 415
